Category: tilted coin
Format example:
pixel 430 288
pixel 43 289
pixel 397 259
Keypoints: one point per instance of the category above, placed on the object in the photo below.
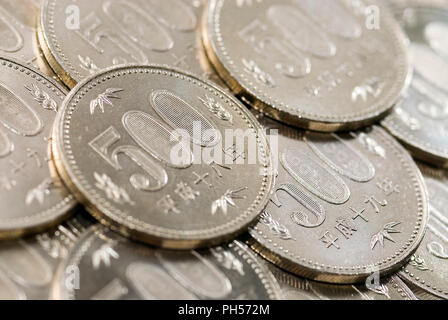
pixel 295 288
pixel 163 156
pixel 322 65
pixel 428 267
pixel 114 268
pixel 345 206
pixel 29 199
pixel 18 21
pixel 28 267
pixel 117 32
pixel 420 119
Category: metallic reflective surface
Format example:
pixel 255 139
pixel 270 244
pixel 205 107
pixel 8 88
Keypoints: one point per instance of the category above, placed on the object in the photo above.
pixel 295 288
pixel 377 228
pixel 428 268
pixel 111 148
pixel 419 120
pixel 117 32
pixel 29 198
pixel 314 64
pixel 111 267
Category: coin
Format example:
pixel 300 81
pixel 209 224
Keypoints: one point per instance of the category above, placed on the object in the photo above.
pixel 27 267
pixel 18 25
pixel 29 199
pixel 80 38
pixel 428 267
pixel 338 73
pixel 114 147
pixel 114 268
pixel 295 288
pixel 419 121
pixel 345 206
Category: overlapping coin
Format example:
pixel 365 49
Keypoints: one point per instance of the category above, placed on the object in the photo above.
pixel 114 268
pixel 322 65
pixel 29 198
pixel 428 268
pixel 295 288
pixel 344 206
pixel 79 39
pixel 28 267
pixel 419 121
pixel 147 149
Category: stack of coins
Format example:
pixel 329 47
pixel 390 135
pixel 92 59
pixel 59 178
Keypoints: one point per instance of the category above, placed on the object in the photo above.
pixel 224 149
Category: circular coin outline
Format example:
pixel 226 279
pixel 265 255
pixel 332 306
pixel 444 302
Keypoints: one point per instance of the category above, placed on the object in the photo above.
pixel 226 68
pixel 272 251
pixel 120 221
pixel 419 280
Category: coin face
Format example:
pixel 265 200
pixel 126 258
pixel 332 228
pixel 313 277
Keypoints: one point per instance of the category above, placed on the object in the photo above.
pixel 321 65
pixel 428 267
pixel 419 120
pixel 163 155
pixel 114 268
pixel 29 199
pixel 18 27
pixel 345 206
pixel 80 38
pixel 295 288
pixel 27 267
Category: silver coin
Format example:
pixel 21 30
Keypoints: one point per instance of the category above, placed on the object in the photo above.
pixel 28 266
pixel 113 268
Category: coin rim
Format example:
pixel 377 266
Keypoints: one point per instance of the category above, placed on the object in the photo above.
pixel 420 149
pixel 157 235
pixel 59 292
pixel 301 266
pixel 417 279
pixel 48 48
pixel 67 205
pixel 279 111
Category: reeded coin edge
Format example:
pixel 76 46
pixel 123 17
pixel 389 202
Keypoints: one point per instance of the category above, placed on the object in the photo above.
pixel 275 253
pixel 17 227
pixel 123 222
pixel 52 49
pixel 59 290
pixel 419 281
pixel 213 39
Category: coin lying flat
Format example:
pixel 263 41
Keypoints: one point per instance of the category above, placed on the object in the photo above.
pixel 29 199
pixel 27 267
pixel 420 120
pixel 114 268
pixel 146 149
pixel 116 32
pixel 295 288
pixel 345 206
pixel 338 72
pixel 428 267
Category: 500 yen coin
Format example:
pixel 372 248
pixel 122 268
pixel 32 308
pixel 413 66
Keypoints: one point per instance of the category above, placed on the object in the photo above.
pixel 163 156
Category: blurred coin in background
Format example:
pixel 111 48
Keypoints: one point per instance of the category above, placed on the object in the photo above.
pixel 147 150
pixel 322 65
pixel 420 119
pixel 28 267
pixel 344 207
pixel 79 38
pixel 295 288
